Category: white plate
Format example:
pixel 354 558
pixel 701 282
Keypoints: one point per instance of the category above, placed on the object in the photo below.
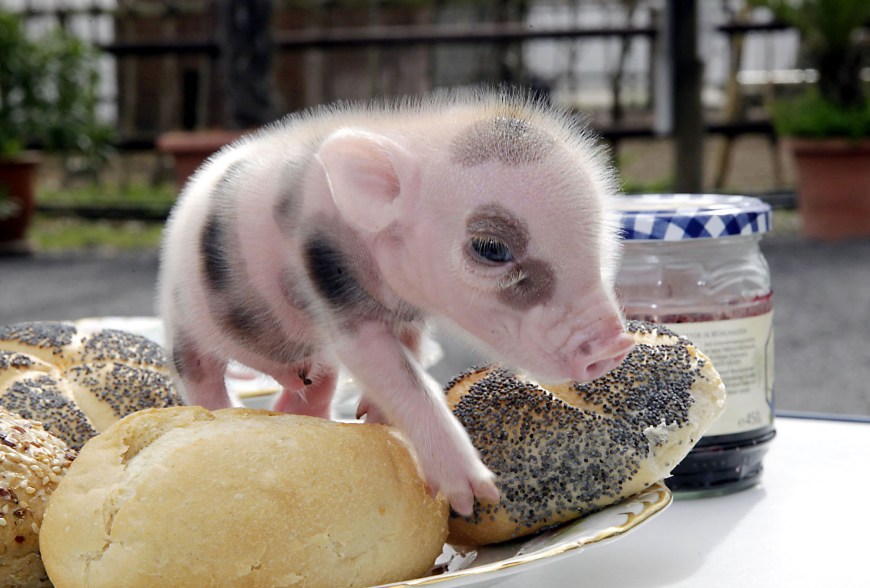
pixel 490 564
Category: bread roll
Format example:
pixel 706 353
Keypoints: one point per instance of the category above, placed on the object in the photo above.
pixel 567 450
pixel 77 385
pixel 239 497
pixel 32 462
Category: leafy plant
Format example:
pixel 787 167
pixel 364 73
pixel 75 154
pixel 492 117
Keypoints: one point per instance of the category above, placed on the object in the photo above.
pixel 156 199
pixel 811 115
pixel 829 30
pixel 74 234
pixel 48 92
pixel 17 85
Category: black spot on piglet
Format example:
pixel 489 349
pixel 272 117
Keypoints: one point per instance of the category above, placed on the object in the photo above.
pixel 330 272
pixel 215 257
pixel 215 241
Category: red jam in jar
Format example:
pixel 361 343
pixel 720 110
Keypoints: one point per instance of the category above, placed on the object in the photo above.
pixel 693 263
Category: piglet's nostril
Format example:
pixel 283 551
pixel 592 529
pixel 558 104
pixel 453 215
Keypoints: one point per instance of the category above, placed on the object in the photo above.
pixel 594 359
pixel 601 367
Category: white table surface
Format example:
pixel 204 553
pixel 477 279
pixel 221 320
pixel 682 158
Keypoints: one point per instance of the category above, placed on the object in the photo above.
pixel 805 524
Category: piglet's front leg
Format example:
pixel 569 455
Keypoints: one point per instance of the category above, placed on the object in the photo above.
pixel 412 401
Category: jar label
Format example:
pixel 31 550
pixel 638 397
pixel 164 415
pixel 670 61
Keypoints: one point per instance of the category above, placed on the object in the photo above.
pixel 742 352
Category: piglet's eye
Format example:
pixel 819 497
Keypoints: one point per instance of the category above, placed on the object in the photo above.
pixel 491 250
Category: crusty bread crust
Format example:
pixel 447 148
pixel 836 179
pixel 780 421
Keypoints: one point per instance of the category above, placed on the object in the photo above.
pixel 241 497
pixel 561 451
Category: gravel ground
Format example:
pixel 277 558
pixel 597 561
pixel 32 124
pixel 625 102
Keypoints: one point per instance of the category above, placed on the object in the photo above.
pixel 821 322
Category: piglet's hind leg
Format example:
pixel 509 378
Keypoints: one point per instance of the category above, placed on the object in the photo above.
pixel 201 376
pixel 306 395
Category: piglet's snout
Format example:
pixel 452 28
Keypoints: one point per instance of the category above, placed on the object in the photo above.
pixel 594 357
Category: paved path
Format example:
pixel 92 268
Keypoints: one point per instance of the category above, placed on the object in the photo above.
pixel 821 300
pixel 822 324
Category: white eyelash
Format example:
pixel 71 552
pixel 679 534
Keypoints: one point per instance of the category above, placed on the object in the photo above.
pixel 513 277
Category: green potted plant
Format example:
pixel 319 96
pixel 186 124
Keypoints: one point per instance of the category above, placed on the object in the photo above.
pixel 48 97
pixel 827 127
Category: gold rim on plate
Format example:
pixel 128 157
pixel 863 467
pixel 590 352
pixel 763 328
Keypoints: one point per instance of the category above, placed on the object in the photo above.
pixel 607 524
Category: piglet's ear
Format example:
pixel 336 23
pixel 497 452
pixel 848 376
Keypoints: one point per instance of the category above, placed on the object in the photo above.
pixel 366 173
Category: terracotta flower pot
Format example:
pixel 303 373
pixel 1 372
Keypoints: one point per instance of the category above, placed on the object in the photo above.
pixel 833 179
pixel 18 182
pixel 190 149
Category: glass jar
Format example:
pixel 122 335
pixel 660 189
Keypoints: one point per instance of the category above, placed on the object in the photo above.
pixel 693 263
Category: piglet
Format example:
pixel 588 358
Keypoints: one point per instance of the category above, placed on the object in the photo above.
pixel 332 237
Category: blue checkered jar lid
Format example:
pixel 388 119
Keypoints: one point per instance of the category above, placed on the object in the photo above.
pixel 677 217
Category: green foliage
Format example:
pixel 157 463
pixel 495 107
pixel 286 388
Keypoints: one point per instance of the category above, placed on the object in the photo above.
pixel 66 233
pixel 72 234
pixel 658 186
pixel 48 92
pixel 17 85
pixel 830 40
pixel 158 199
pixel 822 23
pixel 813 116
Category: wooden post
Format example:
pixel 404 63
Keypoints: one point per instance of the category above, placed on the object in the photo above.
pixel 679 96
pixel 246 61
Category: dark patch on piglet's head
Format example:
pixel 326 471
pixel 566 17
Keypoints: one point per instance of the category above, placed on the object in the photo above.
pixel 510 141
pixel 497 237
pixel 497 222
pixel 535 285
